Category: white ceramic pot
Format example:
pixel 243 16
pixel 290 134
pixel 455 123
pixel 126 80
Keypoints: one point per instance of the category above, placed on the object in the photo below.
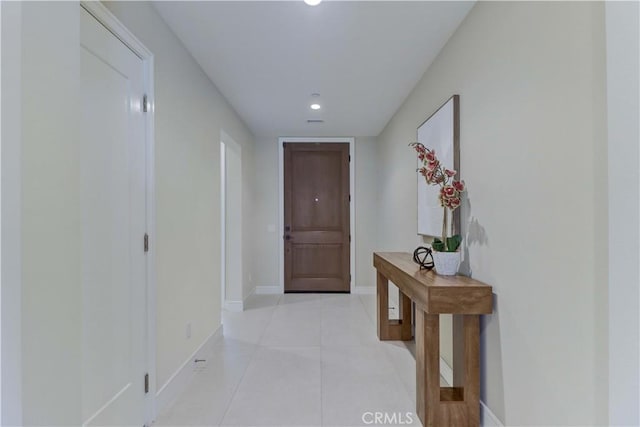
pixel 446 263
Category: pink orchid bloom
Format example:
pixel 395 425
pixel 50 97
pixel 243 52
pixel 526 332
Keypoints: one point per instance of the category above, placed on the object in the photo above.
pixel 458 185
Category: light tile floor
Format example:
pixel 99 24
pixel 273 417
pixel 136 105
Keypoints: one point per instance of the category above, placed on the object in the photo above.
pixel 300 360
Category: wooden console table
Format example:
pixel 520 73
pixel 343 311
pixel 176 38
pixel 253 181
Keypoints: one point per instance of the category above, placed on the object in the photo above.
pixel 433 295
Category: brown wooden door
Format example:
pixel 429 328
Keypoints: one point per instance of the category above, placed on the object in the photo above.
pixel 316 217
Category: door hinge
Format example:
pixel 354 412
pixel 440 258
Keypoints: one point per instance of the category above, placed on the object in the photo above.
pixel 349 278
pixel 349 158
pixel 146 383
pixel 146 242
pixel 145 103
pixel 349 197
pixel 349 238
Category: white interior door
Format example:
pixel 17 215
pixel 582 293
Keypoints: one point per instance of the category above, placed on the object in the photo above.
pixel 113 226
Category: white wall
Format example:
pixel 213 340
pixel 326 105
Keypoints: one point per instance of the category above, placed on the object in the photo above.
pixel 366 198
pixel 11 215
pixel 189 116
pixel 623 91
pixel 0 229
pixel 531 79
pixel 265 216
pixel 51 267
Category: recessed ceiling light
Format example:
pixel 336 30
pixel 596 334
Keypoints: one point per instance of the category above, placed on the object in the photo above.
pixel 315 106
pixel 312 2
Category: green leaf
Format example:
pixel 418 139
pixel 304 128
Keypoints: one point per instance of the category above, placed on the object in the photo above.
pixel 438 245
pixel 453 243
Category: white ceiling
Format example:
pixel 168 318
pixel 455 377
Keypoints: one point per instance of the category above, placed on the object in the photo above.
pixel 268 57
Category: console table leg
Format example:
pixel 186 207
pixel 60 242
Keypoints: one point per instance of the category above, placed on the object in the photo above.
pixel 383 307
pixel 466 360
pixel 427 367
pixel 472 348
pixel 405 317
pixel 392 329
pixel 421 396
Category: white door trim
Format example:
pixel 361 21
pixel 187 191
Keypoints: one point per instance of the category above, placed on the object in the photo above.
pixel 0 237
pixel 352 204
pixel 223 226
pixel 110 22
pixel 232 264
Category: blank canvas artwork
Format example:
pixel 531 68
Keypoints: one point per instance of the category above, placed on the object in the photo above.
pixel 440 133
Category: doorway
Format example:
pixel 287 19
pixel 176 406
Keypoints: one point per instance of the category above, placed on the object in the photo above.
pixel 317 215
pixel 231 223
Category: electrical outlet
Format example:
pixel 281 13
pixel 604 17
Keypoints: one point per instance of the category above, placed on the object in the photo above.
pixel 188 332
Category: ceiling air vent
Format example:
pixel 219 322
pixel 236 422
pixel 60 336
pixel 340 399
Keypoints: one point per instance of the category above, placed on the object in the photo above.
pixel 315 121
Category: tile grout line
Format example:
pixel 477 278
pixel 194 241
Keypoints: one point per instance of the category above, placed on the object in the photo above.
pixel 410 393
pixel 329 309
pixel 258 346
pixel 365 309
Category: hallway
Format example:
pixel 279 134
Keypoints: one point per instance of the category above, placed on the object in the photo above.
pixel 300 360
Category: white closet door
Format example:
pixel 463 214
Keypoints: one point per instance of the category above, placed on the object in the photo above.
pixel 113 225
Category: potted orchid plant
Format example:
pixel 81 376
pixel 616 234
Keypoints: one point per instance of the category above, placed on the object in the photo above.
pixel 446 255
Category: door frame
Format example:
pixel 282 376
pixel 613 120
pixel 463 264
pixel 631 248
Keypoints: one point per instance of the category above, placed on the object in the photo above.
pixel 237 305
pixel 223 226
pixel 352 203
pixel 111 23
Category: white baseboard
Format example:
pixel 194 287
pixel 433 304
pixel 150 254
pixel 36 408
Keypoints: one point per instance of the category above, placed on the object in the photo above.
pixel 271 290
pixel 235 306
pixel 249 295
pixel 487 418
pixel 170 391
pixel 268 290
pixel 106 406
pixel 238 306
pixel 364 290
